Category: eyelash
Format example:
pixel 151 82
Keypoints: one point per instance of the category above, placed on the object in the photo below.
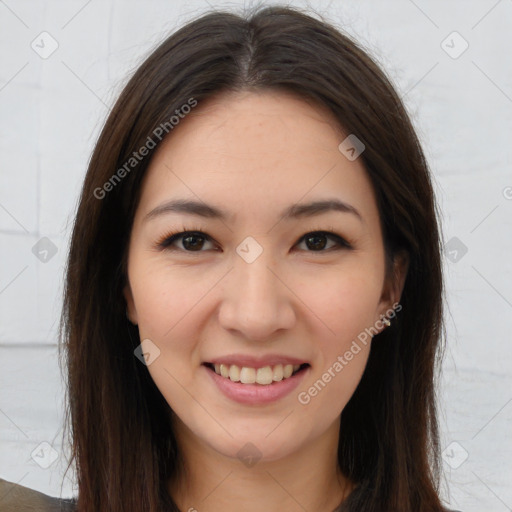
pixel 164 243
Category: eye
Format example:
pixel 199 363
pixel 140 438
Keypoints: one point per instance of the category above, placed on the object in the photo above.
pixel 316 240
pixel 194 241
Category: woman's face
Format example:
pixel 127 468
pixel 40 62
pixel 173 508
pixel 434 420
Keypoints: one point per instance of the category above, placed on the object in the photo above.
pixel 251 292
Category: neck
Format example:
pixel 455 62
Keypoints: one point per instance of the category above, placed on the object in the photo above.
pixel 307 479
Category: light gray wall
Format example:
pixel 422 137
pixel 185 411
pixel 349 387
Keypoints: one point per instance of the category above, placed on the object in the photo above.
pixel 51 110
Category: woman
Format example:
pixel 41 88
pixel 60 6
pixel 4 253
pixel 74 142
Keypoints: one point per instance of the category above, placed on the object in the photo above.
pixel 253 306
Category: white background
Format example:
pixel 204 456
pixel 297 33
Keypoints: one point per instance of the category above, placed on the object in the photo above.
pixel 51 111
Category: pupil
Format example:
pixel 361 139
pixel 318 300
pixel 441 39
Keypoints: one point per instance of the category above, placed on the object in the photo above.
pixel 187 244
pixel 316 243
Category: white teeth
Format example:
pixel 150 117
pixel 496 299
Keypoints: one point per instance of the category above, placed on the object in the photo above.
pixel 264 376
pixel 278 372
pixel 224 370
pixel 247 375
pixel 234 373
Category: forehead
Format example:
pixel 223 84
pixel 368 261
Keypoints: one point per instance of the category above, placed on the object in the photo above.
pixel 263 124
pixel 254 153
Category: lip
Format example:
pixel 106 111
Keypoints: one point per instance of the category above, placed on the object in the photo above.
pixel 256 362
pixel 256 394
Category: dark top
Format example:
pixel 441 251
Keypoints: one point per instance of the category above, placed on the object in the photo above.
pixel 16 498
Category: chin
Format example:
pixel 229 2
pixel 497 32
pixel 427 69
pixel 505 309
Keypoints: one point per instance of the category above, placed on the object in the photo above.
pixel 256 445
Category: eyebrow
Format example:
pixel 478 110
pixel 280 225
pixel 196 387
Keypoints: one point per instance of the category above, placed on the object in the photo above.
pixel 295 211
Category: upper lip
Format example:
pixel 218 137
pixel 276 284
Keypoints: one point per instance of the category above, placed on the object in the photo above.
pixel 256 362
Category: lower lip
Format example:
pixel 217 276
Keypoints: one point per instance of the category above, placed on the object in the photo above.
pixel 256 393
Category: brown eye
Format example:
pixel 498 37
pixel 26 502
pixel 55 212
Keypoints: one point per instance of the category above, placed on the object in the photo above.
pixel 317 241
pixel 191 241
pixel 194 241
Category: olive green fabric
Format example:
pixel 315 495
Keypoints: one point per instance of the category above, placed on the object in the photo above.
pixel 17 498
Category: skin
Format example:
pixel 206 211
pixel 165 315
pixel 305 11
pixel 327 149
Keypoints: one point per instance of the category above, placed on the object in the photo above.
pixel 254 154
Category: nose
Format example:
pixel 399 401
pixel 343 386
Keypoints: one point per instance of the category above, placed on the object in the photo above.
pixel 256 300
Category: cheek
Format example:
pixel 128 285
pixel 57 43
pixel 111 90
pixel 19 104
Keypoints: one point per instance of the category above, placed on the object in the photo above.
pixel 329 390
pixel 170 310
pixel 345 302
pixel 345 309
pixel 165 297
pixel 167 302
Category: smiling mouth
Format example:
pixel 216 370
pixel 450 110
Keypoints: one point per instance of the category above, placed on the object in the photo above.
pixel 265 376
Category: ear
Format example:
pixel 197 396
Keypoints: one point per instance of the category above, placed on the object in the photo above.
pixel 131 312
pixel 393 287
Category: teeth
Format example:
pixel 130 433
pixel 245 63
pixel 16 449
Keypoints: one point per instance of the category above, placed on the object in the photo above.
pixel 264 376
pixel 224 370
pixel 247 375
pixel 278 372
pixel 234 373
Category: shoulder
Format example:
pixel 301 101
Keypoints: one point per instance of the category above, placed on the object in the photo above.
pixel 14 497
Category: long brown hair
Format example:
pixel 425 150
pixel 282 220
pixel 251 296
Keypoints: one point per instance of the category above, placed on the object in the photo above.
pixel 122 441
